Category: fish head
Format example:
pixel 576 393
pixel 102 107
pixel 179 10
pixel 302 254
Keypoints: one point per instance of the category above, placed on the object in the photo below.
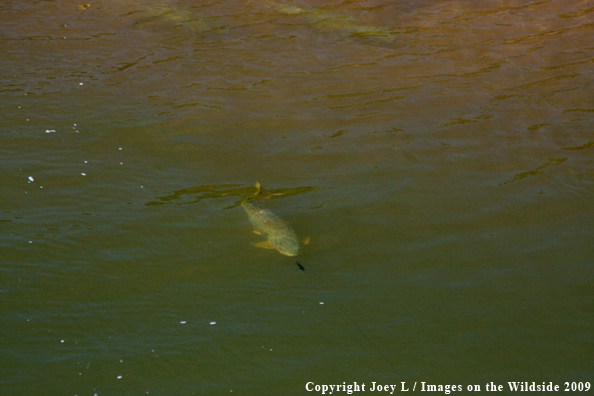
pixel 289 246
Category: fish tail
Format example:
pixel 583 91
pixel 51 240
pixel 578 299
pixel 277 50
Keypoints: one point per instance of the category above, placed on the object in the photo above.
pixel 253 196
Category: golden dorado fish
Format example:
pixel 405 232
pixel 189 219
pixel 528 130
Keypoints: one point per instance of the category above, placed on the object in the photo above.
pixel 174 16
pixel 278 233
pixel 326 21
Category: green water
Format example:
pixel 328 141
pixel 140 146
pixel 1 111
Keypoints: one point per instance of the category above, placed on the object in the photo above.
pixel 442 169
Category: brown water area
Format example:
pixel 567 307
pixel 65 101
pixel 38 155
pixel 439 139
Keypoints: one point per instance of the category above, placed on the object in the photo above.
pixel 436 155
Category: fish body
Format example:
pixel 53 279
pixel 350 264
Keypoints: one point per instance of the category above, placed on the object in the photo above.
pixel 279 234
pixel 175 16
pixel 327 21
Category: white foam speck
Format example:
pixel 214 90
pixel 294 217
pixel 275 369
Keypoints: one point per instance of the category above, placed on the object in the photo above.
pixel 213 323
pixel 321 303
pixel 85 162
pixel 80 83
pixel 119 377
pixel 31 178
pixel 84 174
pixel 119 148
pixel 62 341
pixel 183 322
pixel 30 241
pixel 50 130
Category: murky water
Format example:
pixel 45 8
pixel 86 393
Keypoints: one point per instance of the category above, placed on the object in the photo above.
pixel 438 154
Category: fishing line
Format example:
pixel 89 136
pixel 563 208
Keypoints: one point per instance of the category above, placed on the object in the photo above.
pixel 350 318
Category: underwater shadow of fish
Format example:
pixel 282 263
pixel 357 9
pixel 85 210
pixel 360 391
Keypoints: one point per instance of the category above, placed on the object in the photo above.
pixel 193 195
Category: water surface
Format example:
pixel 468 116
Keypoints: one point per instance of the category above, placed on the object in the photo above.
pixel 437 153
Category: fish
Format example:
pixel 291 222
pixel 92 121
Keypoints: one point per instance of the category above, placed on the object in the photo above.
pixel 174 16
pixel 278 233
pixel 326 21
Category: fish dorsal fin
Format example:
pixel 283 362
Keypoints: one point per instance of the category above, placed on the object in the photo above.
pixel 253 196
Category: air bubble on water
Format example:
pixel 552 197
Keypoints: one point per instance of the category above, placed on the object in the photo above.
pixel 84 174
pixel 31 178
pixel 119 377
pixel 213 323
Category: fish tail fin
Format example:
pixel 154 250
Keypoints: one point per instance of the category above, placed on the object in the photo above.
pixel 253 196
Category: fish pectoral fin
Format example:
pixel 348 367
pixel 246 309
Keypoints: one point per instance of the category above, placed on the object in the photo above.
pixel 305 241
pixel 265 245
pixel 257 232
